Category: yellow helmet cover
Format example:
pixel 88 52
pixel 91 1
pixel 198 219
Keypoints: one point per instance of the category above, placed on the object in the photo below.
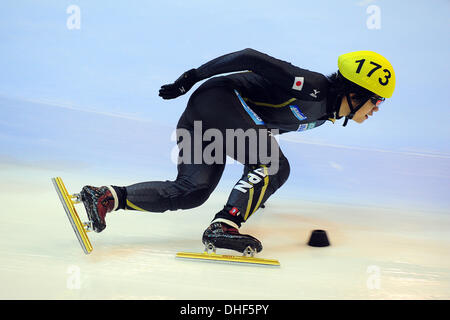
pixel 369 70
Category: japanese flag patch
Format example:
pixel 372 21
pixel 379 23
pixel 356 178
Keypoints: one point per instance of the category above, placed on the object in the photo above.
pixel 298 83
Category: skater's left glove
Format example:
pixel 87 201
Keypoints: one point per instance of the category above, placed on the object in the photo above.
pixel 182 85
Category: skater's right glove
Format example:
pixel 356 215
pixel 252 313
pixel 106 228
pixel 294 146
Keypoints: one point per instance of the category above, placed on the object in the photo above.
pixel 180 86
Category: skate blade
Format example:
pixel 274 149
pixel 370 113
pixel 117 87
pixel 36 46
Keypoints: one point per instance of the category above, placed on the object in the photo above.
pixel 228 258
pixel 68 202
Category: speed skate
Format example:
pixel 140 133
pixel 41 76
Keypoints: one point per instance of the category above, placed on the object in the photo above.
pixel 209 254
pixel 81 230
pixel 68 202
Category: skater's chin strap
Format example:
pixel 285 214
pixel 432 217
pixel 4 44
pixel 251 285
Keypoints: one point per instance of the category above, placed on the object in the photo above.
pixel 352 110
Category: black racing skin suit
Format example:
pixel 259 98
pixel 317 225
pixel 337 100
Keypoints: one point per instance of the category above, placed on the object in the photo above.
pixel 267 93
pixel 268 88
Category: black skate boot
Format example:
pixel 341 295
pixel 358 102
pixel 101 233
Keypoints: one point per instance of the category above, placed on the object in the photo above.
pixel 221 235
pixel 98 202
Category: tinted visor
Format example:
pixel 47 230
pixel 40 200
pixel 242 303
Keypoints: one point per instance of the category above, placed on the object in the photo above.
pixel 377 100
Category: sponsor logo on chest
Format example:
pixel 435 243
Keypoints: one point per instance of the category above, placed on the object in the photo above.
pixel 314 93
pixel 306 126
pixel 297 113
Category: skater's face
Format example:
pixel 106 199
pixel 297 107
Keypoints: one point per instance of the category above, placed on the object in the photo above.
pixel 363 113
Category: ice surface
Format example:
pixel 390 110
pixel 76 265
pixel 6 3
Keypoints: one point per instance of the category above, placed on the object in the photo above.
pixel 375 253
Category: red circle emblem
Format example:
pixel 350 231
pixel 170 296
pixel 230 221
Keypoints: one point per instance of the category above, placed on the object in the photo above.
pixel 298 83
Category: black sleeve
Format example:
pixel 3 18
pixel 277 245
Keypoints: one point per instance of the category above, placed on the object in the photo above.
pixel 299 82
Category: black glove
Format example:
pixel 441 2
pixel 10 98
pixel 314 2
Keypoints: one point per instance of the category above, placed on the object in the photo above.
pixel 182 85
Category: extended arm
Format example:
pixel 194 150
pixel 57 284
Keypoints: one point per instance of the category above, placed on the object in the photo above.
pixel 274 70
pixel 278 72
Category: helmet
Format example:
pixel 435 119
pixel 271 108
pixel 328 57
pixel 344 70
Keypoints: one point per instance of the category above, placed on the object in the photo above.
pixel 369 70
